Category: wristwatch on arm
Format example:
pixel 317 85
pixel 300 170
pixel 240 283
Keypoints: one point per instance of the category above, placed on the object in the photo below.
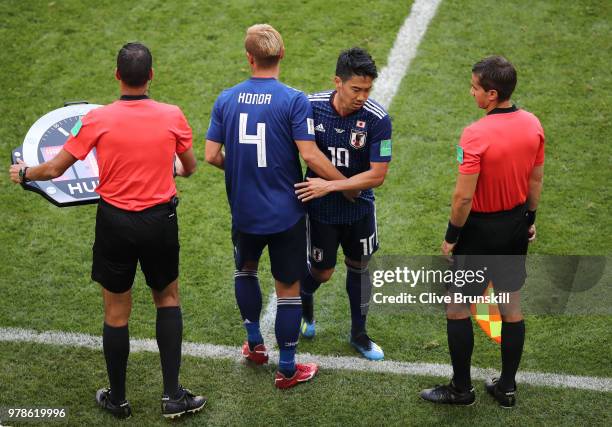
pixel 22 174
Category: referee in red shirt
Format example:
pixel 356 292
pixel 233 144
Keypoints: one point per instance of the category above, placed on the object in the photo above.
pixel 137 141
pixel 501 161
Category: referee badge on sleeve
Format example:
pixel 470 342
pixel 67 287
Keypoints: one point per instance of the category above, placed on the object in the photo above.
pixel 77 127
pixel 459 154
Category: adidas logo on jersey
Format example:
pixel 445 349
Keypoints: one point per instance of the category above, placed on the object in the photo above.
pixel 320 128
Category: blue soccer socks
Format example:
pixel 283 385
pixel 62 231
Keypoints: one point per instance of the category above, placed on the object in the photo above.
pixel 358 288
pixel 287 328
pixel 248 297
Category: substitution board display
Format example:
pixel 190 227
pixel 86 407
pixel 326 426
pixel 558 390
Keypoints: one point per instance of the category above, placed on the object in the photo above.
pixel 43 141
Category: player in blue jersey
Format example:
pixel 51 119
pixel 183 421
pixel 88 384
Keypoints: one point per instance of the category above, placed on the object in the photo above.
pixel 264 126
pixel 355 134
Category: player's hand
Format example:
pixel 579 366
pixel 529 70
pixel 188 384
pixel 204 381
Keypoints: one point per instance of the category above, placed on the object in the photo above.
pixel 351 195
pixel 447 249
pixel 531 233
pixel 313 188
pixel 14 171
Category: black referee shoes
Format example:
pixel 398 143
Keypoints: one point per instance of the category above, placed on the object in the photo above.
pixel 449 394
pixel 120 410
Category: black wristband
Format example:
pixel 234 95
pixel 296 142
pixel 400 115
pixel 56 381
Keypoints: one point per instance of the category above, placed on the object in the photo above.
pixel 22 174
pixel 531 216
pixel 452 233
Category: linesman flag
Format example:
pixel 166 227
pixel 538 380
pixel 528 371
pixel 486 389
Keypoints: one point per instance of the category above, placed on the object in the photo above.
pixel 488 316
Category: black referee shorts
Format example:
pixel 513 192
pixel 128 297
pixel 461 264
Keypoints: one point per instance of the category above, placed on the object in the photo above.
pixel 495 243
pixel 287 250
pixel 124 238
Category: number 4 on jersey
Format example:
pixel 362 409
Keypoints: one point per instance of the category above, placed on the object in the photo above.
pixel 259 139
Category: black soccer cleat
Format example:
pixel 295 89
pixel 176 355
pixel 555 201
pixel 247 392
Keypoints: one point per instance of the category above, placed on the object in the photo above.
pixel 187 402
pixel 121 410
pixel 506 399
pixel 449 394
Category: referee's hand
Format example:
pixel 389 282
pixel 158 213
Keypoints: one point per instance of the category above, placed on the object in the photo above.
pixel 447 249
pixel 531 233
pixel 14 171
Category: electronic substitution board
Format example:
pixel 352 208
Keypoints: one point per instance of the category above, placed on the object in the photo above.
pixel 43 141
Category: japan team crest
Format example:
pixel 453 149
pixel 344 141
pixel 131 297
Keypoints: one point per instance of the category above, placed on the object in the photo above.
pixel 358 138
pixel 317 254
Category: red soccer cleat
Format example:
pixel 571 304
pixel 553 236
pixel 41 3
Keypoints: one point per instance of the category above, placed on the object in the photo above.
pixel 259 355
pixel 303 372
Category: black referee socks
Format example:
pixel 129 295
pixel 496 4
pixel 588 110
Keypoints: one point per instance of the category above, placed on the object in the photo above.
pixel 169 333
pixel 460 345
pixel 116 343
pixel 513 338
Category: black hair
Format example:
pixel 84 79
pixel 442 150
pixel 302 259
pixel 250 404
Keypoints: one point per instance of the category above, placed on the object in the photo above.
pixel 134 62
pixel 496 73
pixel 355 62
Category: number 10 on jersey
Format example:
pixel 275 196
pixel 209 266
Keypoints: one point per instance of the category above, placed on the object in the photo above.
pixel 259 139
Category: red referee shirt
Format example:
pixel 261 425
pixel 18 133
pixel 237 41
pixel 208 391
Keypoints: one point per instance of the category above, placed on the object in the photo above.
pixel 503 147
pixel 135 140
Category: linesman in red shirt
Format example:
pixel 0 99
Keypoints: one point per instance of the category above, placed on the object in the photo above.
pixel 138 142
pixel 501 161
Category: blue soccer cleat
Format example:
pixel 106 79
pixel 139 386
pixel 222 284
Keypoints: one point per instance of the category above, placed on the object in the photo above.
pixel 307 329
pixel 368 348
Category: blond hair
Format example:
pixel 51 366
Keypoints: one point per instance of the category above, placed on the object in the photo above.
pixel 265 44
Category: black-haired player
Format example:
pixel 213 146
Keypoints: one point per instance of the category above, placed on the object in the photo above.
pixel 355 134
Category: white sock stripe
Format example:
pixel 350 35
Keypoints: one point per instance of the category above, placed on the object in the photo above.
pixel 281 300
pixel 289 301
pixel 245 273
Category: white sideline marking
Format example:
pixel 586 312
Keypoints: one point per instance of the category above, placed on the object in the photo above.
pixel 267 322
pixel 211 351
pixel 403 51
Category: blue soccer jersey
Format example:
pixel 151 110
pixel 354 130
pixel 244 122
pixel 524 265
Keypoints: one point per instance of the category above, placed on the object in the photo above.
pixel 258 122
pixel 350 143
